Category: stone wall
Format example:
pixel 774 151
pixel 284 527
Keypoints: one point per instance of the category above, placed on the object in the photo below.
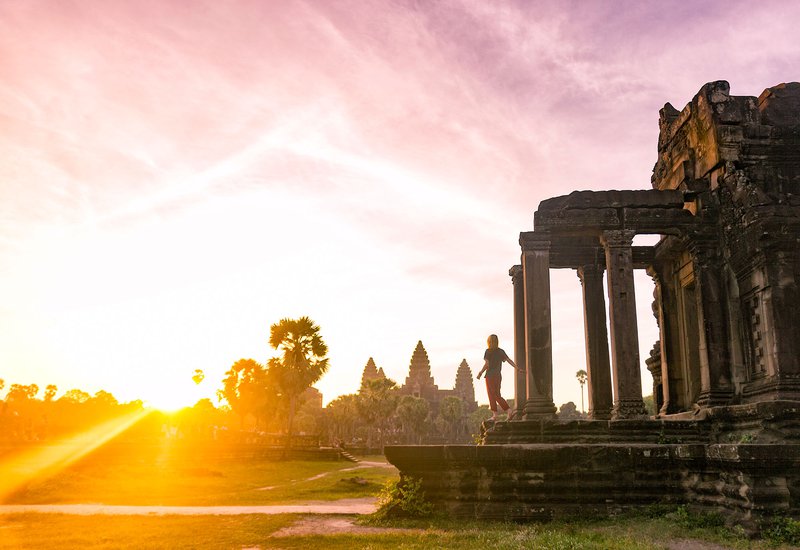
pixel 547 481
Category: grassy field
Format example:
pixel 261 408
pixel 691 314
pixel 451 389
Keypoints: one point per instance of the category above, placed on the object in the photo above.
pixel 110 478
pixel 258 531
pixel 189 479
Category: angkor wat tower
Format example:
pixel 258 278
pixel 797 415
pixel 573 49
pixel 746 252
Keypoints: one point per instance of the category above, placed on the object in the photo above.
pixel 371 372
pixel 464 388
pixel 420 383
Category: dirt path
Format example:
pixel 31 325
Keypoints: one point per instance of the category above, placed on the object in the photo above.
pixel 359 466
pixel 349 506
pixel 334 525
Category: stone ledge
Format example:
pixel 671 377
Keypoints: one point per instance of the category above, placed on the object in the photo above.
pixel 545 481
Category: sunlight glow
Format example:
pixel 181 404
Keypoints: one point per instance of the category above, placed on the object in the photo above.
pixel 45 461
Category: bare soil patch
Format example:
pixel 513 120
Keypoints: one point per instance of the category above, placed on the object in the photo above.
pixel 334 525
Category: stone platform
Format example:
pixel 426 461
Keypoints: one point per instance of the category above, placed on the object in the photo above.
pixel 763 422
pixel 547 481
pixel 742 461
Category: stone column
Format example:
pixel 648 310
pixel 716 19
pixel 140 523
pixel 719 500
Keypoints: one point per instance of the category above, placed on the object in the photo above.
pixel 538 344
pixel 782 269
pixel 596 336
pixel 520 377
pixel 654 366
pixel 627 378
pixel 716 386
pixel 667 404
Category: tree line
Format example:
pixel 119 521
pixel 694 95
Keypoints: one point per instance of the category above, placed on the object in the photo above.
pixel 26 417
pixel 274 397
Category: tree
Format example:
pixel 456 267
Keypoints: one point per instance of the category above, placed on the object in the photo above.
pixel 50 392
pixel 201 419
pixel 302 361
pixel 18 392
pixel 341 416
pixel 376 403
pixel 198 376
pixel 451 409
pixel 568 411
pixel 245 389
pixel 649 404
pixel 104 399
pixel 413 413
pixel 76 396
pixel 476 419
pixel 582 376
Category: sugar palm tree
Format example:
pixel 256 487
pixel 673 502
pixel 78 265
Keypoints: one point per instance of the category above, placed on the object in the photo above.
pixel 302 361
pixel 582 376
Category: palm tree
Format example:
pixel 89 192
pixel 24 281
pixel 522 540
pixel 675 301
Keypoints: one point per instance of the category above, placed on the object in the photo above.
pixel 302 361
pixel 582 377
pixel 245 389
pixel 376 403
pixel 413 414
pixel 198 376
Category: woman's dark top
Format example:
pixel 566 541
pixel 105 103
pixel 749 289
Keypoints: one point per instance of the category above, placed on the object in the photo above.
pixel 495 357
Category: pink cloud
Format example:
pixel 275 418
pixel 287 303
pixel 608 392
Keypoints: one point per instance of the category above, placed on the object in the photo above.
pixel 410 141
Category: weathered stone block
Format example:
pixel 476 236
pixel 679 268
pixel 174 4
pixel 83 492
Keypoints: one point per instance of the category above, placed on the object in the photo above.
pixel 595 219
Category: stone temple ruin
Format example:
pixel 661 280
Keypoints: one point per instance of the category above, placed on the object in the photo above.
pixel 725 201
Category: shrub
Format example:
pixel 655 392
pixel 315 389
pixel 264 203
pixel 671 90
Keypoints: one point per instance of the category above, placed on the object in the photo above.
pixel 696 520
pixel 782 530
pixel 403 499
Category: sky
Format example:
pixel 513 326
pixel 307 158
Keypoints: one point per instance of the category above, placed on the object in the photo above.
pixel 177 176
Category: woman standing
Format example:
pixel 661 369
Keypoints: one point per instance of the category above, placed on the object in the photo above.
pixel 492 363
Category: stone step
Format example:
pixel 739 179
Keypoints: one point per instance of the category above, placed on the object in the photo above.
pixel 347 456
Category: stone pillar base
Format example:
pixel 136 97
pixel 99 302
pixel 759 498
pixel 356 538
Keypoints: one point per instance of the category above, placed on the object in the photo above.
pixel 600 414
pixel 715 398
pixel 539 407
pixel 627 409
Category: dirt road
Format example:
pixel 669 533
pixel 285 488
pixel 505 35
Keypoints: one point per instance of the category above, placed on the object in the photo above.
pixel 345 506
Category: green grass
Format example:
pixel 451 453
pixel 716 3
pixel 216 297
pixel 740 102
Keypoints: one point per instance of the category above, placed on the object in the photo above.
pixel 471 539
pixel 120 532
pixel 633 531
pixel 256 531
pixel 186 480
pixel 123 480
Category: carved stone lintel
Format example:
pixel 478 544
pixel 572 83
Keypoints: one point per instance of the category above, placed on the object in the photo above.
pixel 615 238
pixel 530 242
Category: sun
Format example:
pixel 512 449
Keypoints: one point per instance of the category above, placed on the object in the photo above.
pixel 172 399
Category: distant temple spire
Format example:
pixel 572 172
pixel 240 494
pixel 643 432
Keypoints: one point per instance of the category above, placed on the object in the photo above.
pixel 371 372
pixel 464 387
pixel 419 382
